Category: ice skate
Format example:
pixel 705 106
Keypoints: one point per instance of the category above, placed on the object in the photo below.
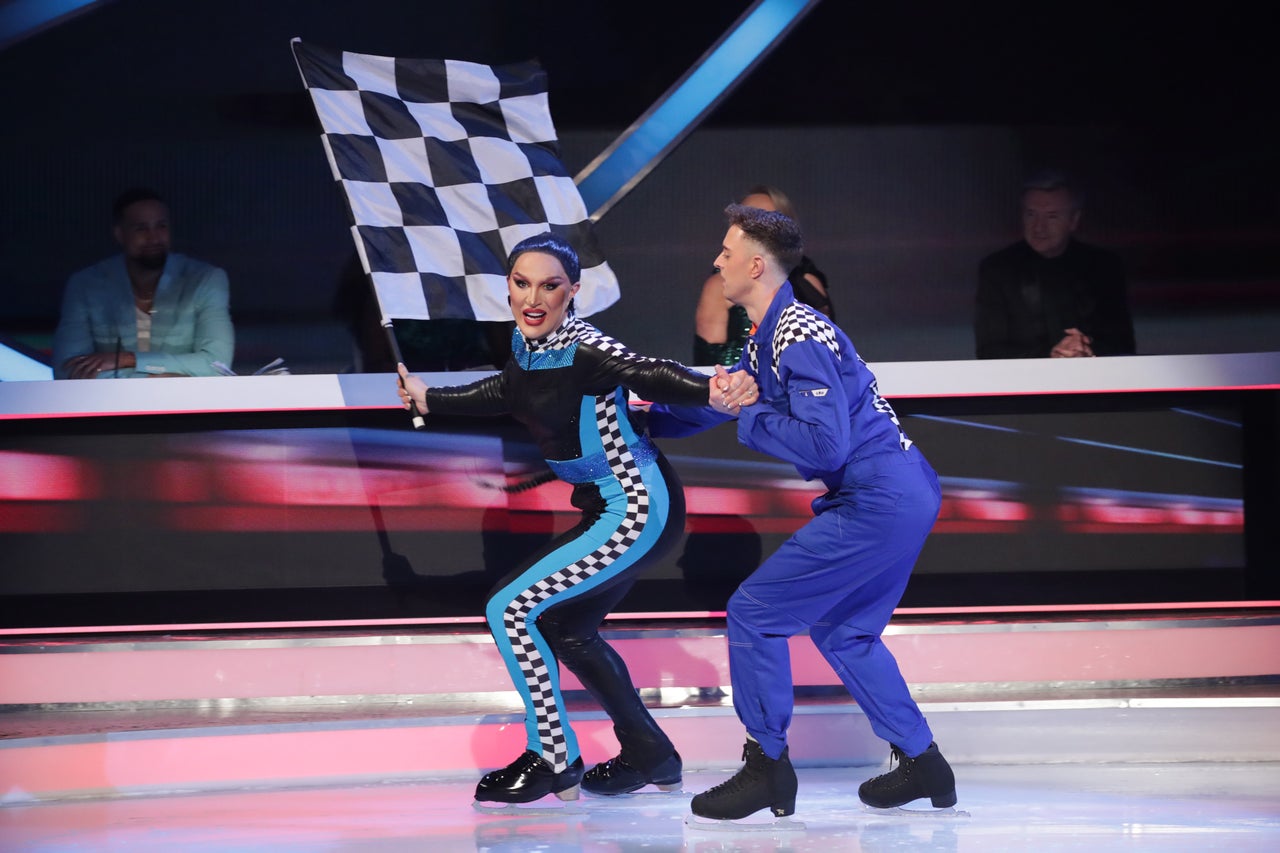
pixel 762 783
pixel 616 777
pixel 927 775
pixel 525 781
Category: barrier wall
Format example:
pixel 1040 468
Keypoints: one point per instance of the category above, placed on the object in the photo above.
pixel 293 498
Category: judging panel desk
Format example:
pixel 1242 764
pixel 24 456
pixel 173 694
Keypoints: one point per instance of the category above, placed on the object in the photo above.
pixel 292 499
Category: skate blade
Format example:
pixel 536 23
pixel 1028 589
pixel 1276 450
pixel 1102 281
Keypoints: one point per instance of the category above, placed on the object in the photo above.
pixel 922 814
pixel 663 792
pixel 774 825
pixel 546 807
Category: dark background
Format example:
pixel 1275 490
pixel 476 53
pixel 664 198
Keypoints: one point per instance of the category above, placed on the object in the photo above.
pixel 902 133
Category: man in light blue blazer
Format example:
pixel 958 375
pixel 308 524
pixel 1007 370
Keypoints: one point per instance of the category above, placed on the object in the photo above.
pixel 144 312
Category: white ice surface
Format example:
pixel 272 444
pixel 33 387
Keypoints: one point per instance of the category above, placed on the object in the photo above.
pixel 1097 807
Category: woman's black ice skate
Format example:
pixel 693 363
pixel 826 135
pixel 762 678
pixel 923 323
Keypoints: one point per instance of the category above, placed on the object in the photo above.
pixel 615 776
pixel 527 779
pixel 762 783
pixel 926 775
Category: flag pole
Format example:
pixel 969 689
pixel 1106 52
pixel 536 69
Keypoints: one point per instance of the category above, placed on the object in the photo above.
pixel 418 421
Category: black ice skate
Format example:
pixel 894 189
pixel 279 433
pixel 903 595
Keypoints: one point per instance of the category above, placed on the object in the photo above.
pixel 615 776
pixel 762 783
pixel 926 775
pixel 525 780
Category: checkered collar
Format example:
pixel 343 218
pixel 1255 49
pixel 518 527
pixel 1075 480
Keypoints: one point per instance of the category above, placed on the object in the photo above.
pixel 566 334
pixel 768 323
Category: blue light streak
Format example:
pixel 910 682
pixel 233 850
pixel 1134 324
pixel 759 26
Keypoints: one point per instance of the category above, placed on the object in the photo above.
pixel 655 134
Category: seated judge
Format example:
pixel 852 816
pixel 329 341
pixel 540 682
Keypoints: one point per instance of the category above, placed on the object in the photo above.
pixel 146 311
pixel 1050 295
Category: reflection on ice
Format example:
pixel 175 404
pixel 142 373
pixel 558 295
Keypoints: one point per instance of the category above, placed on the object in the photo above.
pixel 1094 807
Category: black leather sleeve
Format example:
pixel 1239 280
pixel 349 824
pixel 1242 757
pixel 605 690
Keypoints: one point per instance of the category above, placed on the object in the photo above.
pixel 485 397
pixel 654 380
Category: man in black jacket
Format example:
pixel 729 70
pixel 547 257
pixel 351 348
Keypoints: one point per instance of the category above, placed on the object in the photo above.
pixel 1049 294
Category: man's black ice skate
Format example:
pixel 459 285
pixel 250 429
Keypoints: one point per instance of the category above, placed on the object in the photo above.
pixel 762 783
pixel 926 775
pixel 527 779
pixel 615 776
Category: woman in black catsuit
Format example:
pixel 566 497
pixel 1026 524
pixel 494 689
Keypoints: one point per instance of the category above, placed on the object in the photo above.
pixel 569 384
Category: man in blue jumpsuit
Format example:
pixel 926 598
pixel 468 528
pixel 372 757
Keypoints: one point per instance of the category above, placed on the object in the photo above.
pixel 841 575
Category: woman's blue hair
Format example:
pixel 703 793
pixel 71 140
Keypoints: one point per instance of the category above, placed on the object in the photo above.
pixel 550 244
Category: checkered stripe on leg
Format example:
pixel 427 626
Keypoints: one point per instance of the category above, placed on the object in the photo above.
pixel 533 666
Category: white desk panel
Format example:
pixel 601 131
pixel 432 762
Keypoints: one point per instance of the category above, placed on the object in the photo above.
pixel 903 379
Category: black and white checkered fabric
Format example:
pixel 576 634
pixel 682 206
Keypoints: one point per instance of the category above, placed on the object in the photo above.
pixel 445 166
pixel 533 666
pixel 589 334
pixel 797 322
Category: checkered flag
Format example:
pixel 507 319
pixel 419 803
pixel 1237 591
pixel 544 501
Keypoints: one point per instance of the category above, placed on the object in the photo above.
pixel 446 165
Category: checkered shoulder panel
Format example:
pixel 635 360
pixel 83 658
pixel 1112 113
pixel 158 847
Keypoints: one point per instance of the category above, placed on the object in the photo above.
pixel 798 322
pixel 589 334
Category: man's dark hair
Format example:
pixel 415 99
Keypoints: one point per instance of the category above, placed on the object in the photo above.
pixel 777 233
pixel 132 196
pixel 1051 180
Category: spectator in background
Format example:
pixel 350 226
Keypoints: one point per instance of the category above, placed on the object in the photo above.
pixel 1049 294
pixel 146 311
pixel 720 327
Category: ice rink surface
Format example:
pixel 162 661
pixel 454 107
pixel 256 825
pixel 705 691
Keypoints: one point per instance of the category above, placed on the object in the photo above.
pixel 1232 807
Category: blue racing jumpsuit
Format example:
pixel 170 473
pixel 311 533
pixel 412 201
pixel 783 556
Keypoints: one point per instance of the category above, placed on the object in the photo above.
pixel 570 390
pixel 840 576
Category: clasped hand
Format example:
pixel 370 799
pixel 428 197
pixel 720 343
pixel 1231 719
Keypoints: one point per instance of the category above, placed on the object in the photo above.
pixel 729 392
pixel 90 365
pixel 1075 344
